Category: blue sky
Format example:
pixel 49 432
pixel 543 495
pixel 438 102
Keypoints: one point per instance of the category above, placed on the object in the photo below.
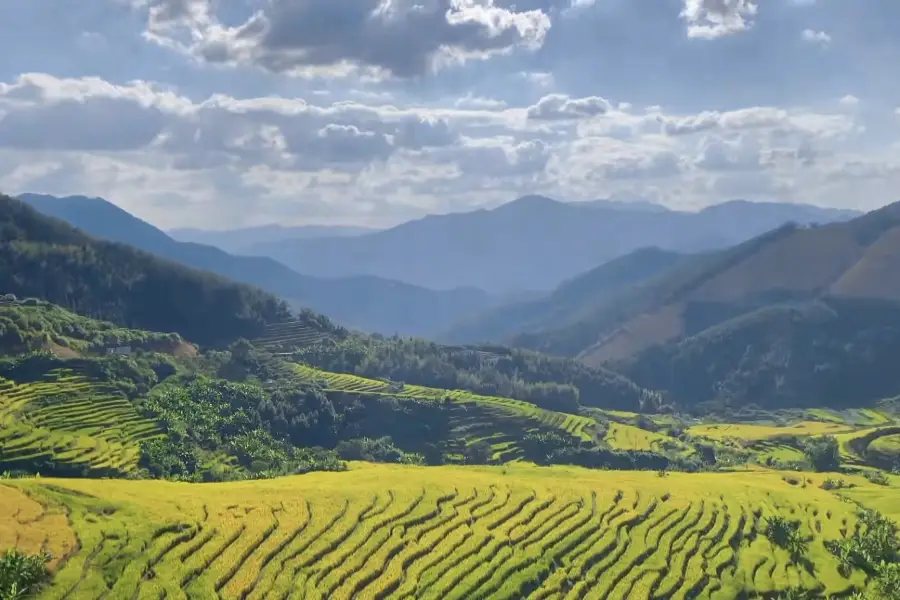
pixel 242 112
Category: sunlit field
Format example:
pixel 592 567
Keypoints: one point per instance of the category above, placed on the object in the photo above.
pixel 389 531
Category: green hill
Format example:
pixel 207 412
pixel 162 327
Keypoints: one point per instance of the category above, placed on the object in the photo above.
pixel 46 258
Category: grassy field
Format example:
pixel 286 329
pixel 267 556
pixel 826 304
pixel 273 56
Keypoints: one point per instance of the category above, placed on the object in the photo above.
pixel 481 424
pixel 388 531
pixel 72 422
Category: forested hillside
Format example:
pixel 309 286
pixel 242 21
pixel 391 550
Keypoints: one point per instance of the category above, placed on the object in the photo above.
pixel 551 382
pixel 46 258
pixel 362 302
pixel 835 352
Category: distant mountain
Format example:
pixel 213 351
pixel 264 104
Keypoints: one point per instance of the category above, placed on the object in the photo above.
pixel 533 243
pixel 367 303
pixel 570 302
pixel 242 240
pixel 854 261
pixel 797 316
pixel 43 257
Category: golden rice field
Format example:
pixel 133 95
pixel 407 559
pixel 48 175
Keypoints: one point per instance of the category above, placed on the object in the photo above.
pixel 72 422
pixel 755 433
pixel 390 531
pixel 578 426
pixel 621 436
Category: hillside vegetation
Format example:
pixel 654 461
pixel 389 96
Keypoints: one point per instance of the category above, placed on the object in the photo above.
pixel 48 259
pixel 835 352
pixel 32 324
pixel 550 382
pixel 444 532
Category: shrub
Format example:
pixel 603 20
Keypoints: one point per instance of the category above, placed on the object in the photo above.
pixel 873 543
pixel 539 447
pixel 835 484
pixel 479 453
pixel 877 477
pixel 22 574
pixel 786 534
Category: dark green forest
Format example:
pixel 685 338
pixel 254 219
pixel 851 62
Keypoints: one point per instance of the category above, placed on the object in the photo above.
pixel 48 259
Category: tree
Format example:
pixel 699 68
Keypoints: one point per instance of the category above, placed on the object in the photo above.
pixel 823 453
pixel 479 453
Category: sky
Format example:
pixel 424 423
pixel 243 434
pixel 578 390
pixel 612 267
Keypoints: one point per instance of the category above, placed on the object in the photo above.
pixel 231 113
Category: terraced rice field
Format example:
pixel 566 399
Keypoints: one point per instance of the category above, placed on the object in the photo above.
pixel 579 427
pixel 69 421
pixel 874 445
pixel 621 436
pixel 887 446
pixel 859 417
pixel 288 336
pixel 388 531
pixel 755 433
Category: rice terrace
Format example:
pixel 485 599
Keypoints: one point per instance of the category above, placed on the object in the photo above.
pixel 421 532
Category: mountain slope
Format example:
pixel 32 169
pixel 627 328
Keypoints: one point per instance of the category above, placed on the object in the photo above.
pixel 363 302
pixel 46 258
pixel 569 302
pixel 833 352
pixel 533 243
pixel 851 259
pixel 240 241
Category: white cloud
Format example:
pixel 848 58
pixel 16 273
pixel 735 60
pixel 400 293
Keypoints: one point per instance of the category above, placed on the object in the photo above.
pixel 170 158
pixel 815 37
pixel 716 18
pixel 187 111
pixel 560 106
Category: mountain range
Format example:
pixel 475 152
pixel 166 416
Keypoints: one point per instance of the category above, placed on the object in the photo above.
pixel 362 302
pixel 533 243
pixel 242 241
pixel 800 312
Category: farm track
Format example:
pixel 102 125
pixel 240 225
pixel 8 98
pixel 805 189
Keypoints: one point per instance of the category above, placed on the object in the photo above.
pixel 432 541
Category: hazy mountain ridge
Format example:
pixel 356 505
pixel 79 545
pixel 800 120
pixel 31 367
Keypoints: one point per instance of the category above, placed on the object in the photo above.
pixel 242 240
pixel 532 243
